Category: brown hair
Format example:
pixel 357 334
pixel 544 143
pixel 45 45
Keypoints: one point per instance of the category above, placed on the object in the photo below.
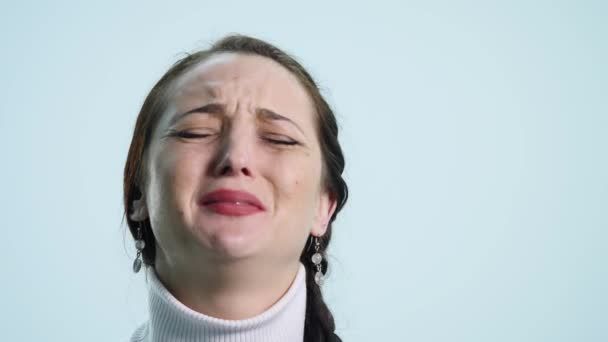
pixel 319 323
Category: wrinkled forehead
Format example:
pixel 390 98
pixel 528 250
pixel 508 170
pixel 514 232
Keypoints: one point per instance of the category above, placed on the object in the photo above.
pixel 248 79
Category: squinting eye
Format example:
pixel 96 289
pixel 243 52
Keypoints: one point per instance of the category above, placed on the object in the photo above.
pixel 283 141
pixel 188 135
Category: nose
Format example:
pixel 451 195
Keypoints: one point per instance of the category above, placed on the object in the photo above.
pixel 233 157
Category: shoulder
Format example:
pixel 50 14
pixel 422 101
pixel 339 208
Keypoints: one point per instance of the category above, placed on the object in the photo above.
pixel 140 334
pixel 334 338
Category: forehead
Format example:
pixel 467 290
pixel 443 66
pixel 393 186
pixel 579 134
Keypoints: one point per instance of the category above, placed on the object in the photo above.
pixel 257 80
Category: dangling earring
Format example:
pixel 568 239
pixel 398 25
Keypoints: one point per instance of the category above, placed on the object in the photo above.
pixel 316 259
pixel 139 245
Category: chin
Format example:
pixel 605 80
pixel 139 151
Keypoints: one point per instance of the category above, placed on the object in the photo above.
pixel 233 240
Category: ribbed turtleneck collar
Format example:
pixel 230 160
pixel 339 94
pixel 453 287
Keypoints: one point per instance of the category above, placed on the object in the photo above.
pixel 170 320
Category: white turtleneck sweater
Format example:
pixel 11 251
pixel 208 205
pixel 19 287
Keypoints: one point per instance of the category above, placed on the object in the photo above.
pixel 170 320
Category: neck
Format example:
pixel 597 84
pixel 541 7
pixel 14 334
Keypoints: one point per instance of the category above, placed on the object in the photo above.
pixel 231 290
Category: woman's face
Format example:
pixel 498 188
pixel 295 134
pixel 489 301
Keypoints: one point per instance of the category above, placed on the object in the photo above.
pixel 239 123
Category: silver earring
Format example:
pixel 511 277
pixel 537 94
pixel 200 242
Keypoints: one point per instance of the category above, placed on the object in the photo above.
pixel 139 245
pixel 316 259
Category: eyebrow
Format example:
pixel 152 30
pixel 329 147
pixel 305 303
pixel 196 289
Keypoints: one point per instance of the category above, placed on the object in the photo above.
pixel 214 109
pixel 217 109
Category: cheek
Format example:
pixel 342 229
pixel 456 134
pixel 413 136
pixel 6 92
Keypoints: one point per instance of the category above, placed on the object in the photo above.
pixel 174 178
pixel 296 205
pixel 297 185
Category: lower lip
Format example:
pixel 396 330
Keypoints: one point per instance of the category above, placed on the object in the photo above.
pixel 233 209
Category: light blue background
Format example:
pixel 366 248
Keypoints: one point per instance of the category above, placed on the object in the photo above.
pixel 475 135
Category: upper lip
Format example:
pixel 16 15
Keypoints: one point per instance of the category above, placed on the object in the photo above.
pixel 229 195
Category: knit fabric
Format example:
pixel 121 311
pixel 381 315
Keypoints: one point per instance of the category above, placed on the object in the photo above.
pixel 170 320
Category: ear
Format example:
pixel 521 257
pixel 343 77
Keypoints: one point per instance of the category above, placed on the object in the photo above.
pixel 140 210
pixel 327 206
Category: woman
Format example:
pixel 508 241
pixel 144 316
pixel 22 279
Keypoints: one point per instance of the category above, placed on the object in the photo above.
pixel 232 182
